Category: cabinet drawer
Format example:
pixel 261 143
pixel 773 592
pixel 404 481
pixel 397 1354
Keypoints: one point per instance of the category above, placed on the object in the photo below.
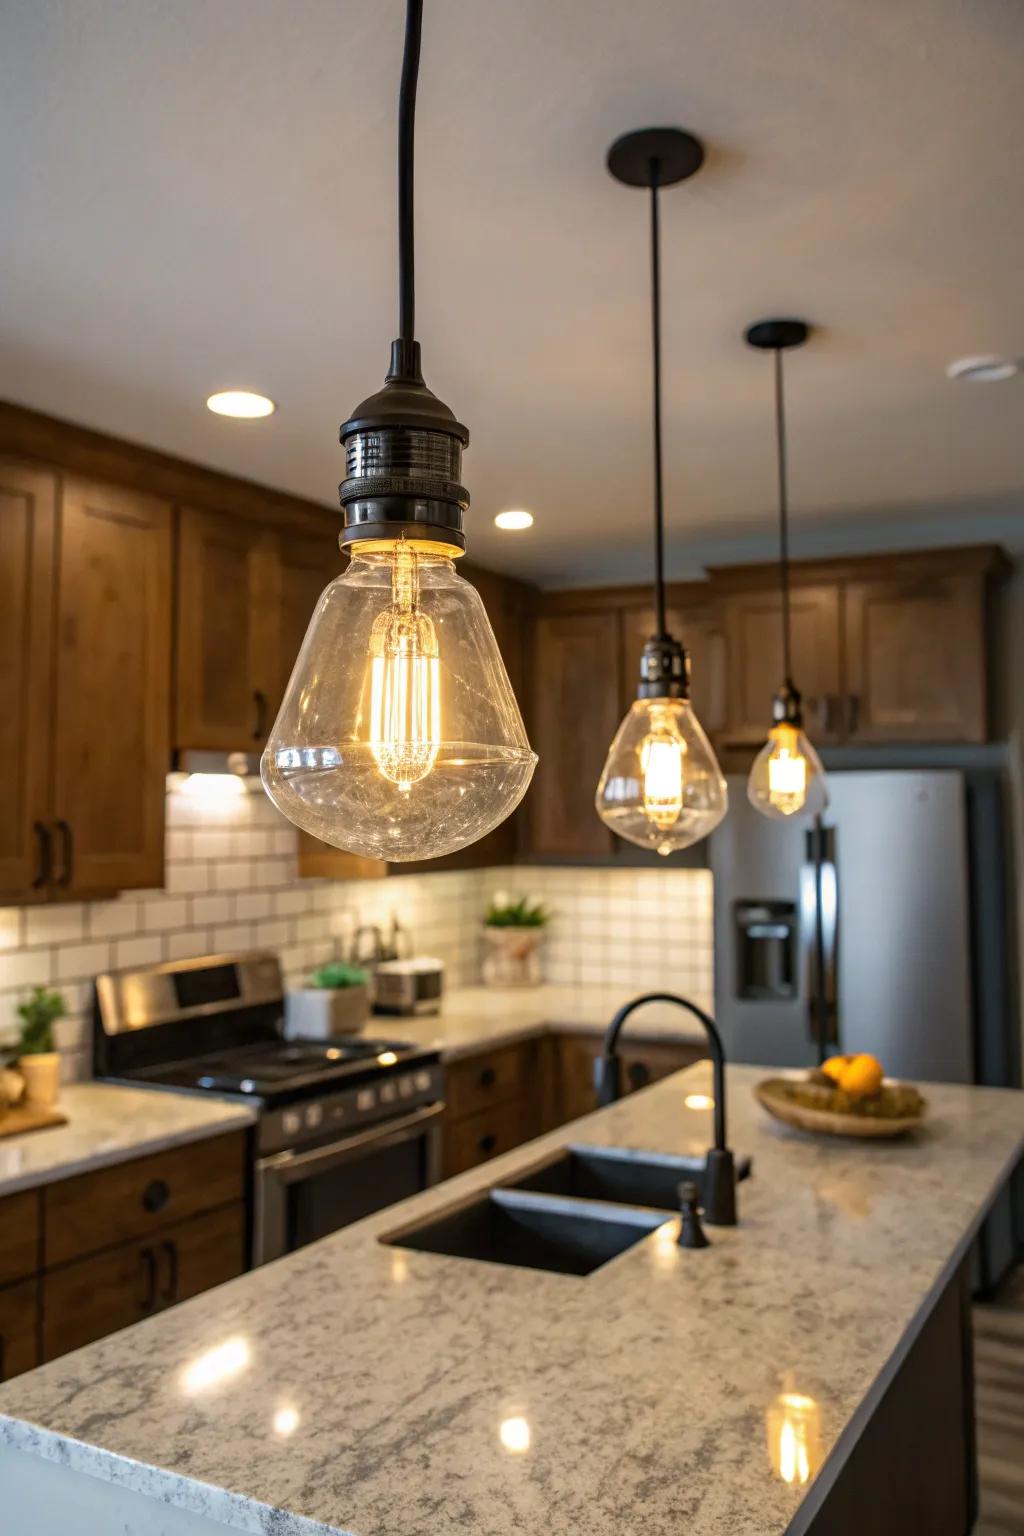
pixel 474 1084
pixel 131 1200
pixel 477 1138
pixel 19 1236
pixel 19 1328
pixel 96 1296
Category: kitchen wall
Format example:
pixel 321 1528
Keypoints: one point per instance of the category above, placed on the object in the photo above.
pixel 231 884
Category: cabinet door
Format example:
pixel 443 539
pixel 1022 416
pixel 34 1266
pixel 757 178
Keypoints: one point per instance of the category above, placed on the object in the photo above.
pixel 93 1297
pixel 225 634
pixel 576 712
pixel 19 1328
pixel 915 659
pixel 27 498
pixel 111 738
pixel 753 628
pixel 700 630
pixel 302 569
pixel 19 1235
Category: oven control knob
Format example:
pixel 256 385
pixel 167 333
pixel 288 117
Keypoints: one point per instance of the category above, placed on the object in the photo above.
pixel 314 1116
pixel 406 1087
pixel 365 1099
pixel 388 1093
pixel 291 1122
pixel 422 1081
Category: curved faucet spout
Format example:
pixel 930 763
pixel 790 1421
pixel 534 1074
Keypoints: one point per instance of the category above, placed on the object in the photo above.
pixel 720 1190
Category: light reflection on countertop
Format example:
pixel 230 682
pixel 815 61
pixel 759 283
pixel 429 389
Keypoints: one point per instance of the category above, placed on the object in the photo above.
pixel 434 1393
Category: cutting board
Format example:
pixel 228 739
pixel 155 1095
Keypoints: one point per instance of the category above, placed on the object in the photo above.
pixel 22 1118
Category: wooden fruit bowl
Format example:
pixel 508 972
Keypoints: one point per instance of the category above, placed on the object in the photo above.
pixel 792 1102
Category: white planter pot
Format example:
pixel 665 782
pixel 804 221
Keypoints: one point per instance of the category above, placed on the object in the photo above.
pixel 512 956
pixel 318 1013
pixel 42 1079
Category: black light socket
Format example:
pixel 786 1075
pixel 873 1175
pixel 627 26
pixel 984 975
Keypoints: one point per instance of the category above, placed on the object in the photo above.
pixel 787 706
pixel 664 670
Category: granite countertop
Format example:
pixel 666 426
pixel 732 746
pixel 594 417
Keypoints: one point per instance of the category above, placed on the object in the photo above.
pixel 367 1389
pixel 482 1018
pixel 108 1123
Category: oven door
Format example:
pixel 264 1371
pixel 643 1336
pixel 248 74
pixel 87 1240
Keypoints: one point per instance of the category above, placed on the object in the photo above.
pixel 304 1195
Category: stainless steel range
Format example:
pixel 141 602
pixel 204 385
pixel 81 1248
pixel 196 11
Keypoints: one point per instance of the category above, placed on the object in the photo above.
pixel 346 1126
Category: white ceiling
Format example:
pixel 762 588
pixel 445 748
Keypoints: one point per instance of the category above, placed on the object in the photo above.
pixel 197 194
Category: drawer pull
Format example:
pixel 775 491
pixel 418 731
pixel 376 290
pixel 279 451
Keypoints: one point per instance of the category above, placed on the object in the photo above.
pixel 155 1196
pixel 170 1294
pixel 148 1260
pixel 3 1358
pixel 488 1143
pixel 487 1077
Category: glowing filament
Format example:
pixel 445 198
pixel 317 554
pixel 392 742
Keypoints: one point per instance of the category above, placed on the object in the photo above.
pixel 405 681
pixel 787 771
pixel 661 761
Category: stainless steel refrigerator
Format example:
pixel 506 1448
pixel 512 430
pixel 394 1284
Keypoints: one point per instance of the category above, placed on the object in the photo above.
pixel 887 928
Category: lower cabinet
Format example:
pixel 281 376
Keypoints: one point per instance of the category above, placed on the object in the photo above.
pixel 92 1297
pixel 19 1328
pixel 499 1099
pixel 86 1256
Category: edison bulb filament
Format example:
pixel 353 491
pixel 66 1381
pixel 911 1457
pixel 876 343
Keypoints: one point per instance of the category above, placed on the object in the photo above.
pixel 662 762
pixel 405 680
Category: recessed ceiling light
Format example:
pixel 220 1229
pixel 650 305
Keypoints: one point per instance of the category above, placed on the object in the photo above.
pixel 516 519
pixel 242 403
pixel 986 369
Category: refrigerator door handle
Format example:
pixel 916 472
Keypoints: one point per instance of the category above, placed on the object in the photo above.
pixel 823 1012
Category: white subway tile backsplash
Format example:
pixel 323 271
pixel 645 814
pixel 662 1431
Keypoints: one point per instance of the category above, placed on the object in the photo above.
pixel 188 877
pixel 77 961
pixel 159 916
pixel 232 937
pixel 236 874
pixel 26 968
pixel 188 945
pixel 210 909
pixel 57 924
pixel 10 928
pixel 117 919
pixel 136 952
pixel 253 904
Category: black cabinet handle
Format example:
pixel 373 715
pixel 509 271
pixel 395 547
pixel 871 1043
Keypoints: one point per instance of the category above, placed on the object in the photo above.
pixel 155 1196
pixel 487 1077
pixel 148 1258
pixel 67 852
pixel 852 713
pixel 3 1358
pixel 170 1293
pixel 260 700
pixel 45 842
pixel 488 1143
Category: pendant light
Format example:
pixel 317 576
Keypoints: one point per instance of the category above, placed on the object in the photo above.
pixel 661 787
pixel 787 777
pixel 399 736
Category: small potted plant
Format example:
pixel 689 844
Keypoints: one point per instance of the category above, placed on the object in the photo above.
pixel 335 1001
pixel 38 1057
pixel 513 930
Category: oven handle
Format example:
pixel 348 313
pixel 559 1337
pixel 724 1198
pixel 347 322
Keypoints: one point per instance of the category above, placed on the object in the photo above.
pixel 290 1166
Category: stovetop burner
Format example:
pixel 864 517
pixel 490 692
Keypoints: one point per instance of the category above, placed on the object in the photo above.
pixel 273 1068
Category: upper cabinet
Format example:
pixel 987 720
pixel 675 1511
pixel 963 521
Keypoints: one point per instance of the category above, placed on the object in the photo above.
pixel 886 649
pixel 84 685
pixel 246 593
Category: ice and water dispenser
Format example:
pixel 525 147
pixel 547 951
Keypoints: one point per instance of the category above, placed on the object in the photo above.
pixel 766 937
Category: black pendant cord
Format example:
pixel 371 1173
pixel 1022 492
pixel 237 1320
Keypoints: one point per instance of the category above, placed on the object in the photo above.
pixel 659 511
pixel 780 438
pixel 406 141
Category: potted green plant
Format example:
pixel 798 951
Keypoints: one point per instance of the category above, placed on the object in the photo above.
pixel 38 1057
pixel 513 931
pixel 335 1001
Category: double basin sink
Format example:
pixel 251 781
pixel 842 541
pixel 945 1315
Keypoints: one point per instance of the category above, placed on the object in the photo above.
pixel 569 1214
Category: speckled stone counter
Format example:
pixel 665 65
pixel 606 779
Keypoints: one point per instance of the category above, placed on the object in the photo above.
pixel 108 1123
pixel 354 1387
pixel 474 1019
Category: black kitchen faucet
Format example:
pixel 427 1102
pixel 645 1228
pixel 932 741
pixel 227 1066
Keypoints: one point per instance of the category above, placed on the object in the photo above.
pixel 719 1169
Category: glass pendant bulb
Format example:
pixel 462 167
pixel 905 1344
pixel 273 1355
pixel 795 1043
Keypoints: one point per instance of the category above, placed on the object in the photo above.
pixel 661 787
pixel 399 737
pixel 787 777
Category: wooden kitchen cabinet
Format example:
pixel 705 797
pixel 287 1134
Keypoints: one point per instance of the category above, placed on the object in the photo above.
pixel 753 637
pixel 19 1328
pixel 19 1236
pixel 915 659
pixel 93 1297
pixel 643 1062
pixel 246 594
pixel 85 632
pixel 577 696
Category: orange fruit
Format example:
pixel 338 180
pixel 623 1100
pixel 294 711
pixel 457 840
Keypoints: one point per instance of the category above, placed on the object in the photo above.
pixel 835 1066
pixel 861 1077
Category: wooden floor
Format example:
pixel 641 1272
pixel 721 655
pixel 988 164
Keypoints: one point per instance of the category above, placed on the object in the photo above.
pixel 999 1392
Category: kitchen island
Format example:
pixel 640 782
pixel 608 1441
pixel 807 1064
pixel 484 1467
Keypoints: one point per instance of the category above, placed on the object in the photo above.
pixel 359 1387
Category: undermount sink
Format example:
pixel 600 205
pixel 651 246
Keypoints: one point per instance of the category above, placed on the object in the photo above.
pixel 612 1174
pixel 533 1231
